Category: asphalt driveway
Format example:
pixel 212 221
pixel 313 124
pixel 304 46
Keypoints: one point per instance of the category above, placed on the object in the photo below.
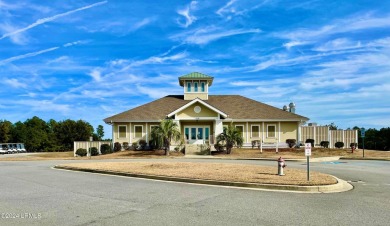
pixel 32 193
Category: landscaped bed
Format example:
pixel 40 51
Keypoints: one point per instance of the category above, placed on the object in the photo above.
pixel 212 171
pixel 294 153
pixel 237 153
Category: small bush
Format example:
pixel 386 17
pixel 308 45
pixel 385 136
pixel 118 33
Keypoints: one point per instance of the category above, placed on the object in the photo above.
pixel 310 141
pixel 94 151
pixel 117 146
pixel 324 144
pixel 134 146
pixel 339 144
pixel 142 145
pixel 105 149
pixel 81 152
pixel 291 142
pixel 125 145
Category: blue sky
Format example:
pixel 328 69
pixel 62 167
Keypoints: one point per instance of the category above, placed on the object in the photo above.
pixel 84 59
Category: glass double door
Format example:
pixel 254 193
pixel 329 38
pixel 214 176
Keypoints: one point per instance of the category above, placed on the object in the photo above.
pixel 197 134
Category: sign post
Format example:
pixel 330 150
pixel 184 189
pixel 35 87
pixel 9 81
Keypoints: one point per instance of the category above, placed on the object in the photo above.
pixel 363 134
pixel 308 154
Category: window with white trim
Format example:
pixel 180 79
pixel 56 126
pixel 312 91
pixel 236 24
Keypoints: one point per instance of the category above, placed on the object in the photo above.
pixel 188 86
pixel 255 131
pixel 138 130
pixel 240 128
pixel 271 131
pixel 202 87
pixel 122 130
pixel 195 87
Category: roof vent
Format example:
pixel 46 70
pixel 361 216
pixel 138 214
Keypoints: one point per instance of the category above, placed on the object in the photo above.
pixel 292 107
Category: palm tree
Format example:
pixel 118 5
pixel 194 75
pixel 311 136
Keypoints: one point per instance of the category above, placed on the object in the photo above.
pixel 230 136
pixel 167 131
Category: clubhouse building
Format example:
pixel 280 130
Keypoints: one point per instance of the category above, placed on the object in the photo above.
pixel 201 116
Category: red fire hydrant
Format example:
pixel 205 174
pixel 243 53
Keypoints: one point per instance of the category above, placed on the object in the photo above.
pixel 353 147
pixel 281 165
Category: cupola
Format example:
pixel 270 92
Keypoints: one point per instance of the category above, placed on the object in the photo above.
pixel 196 85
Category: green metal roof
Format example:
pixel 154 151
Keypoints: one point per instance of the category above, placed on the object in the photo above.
pixel 195 75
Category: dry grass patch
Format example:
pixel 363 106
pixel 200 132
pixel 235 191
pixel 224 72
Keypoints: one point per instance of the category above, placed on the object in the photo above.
pixel 212 171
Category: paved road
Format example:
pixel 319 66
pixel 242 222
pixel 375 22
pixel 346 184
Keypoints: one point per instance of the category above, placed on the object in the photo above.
pixel 36 194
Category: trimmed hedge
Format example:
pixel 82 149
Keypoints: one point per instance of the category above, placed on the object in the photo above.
pixel 310 141
pixel 291 143
pixel 81 152
pixel 117 146
pixel 324 144
pixel 339 144
pixel 94 151
pixel 105 149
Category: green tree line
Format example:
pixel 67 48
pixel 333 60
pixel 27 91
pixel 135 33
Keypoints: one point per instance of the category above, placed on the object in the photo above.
pixel 375 139
pixel 38 135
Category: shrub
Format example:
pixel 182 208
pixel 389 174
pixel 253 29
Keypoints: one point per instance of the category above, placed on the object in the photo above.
pixel 134 146
pixel 324 144
pixel 117 146
pixel 125 145
pixel 291 142
pixel 310 141
pixel 339 144
pixel 94 151
pixel 81 152
pixel 105 149
pixel 142 144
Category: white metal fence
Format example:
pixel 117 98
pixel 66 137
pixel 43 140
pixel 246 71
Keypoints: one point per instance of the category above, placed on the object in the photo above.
pixel 88 144
pixel 323 133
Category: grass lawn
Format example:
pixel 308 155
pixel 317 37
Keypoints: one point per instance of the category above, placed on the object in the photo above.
pixel 212 171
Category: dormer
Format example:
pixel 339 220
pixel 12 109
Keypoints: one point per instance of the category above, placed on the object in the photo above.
pixel 196 85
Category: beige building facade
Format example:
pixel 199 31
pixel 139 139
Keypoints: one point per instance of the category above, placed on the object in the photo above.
pixel 201 116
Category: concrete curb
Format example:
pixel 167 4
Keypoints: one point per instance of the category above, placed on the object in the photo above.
pixel 361 158
pixel 341 185
pixel 321 159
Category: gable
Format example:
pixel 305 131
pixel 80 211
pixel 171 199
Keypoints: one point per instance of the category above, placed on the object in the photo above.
pixel 197 110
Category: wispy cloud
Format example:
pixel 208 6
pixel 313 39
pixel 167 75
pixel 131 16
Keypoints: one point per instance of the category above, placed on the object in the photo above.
pixel 186 13
pixel 242 7
pixel 11 59
pixel 15 83
pixel 206 35
pixel 354 23
pixel 141 24
pixel 48 19
pixel 27 55
pixel 338 44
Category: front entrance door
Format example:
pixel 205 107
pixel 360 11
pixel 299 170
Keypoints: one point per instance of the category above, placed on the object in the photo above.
pixel 197 134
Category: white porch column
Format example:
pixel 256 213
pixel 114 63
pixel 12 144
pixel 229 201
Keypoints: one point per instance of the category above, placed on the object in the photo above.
pixel 247 132
pixel 147 134
pixel 218 127
pixel 278 131
pixel 262 132
pixel 299 133
pixel 113 133
pixel 130 135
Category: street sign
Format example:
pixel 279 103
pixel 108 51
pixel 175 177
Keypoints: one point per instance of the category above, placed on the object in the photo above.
pixel 308 154
pixel 363 132
pixel 307 149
